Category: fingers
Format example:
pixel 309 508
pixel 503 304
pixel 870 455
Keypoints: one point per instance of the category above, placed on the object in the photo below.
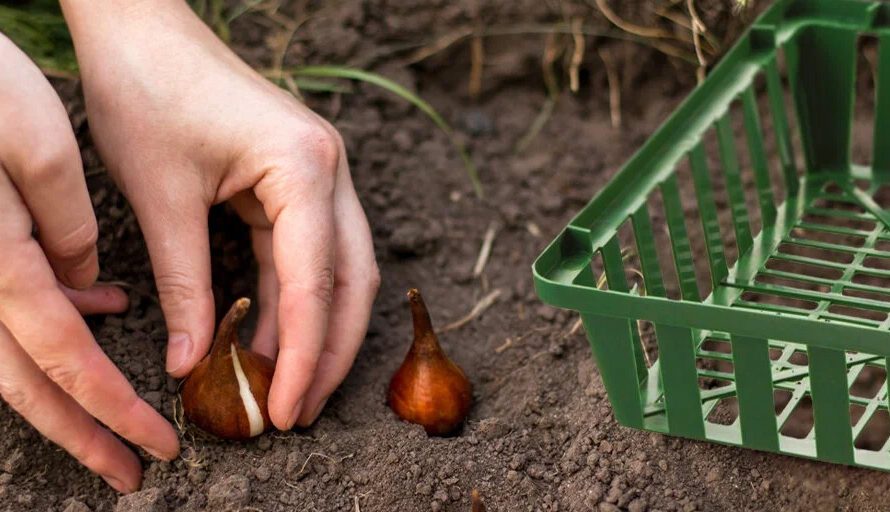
pixel 63 347
pixel 98 299
pixel 265 339
pixel 301 208
pixel 41 157
pixel 178 243
pixel 52 412
pixel 355 287
pixel 50 330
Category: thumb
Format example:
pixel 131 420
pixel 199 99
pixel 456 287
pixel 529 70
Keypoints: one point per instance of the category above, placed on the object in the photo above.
pixel 179 248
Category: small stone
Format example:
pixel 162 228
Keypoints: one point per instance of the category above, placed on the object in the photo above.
pixel 74 505
pixel 536 471
pixel 155 383
pixel 264 443
pixel 712 476
pixel 608 507
pixel 294 463
pixel 230 493
pixel 263 473
pixel 147 500
pixel 637 505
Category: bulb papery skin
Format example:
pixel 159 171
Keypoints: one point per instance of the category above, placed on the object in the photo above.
pixel 428 388
pixel 226 393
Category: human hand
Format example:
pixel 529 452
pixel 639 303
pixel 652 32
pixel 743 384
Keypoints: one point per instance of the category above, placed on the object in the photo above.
pixel 182 123
pixel 51 369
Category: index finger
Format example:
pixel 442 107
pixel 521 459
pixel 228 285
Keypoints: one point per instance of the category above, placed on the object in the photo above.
pixel 303 252
pixel 51 331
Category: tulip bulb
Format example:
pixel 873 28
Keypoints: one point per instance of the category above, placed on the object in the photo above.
pixel 226 393
pixel 428 388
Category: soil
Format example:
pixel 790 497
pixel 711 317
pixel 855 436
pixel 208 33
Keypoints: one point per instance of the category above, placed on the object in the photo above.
pixel 541 435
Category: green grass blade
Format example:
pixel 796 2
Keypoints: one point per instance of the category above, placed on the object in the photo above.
pixel 405 94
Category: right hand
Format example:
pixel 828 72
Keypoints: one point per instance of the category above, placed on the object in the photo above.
pixel 51 369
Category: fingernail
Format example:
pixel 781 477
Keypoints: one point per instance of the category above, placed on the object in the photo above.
pixel 116 484
pixel 294 415
pixel 179 348
pixel 155 453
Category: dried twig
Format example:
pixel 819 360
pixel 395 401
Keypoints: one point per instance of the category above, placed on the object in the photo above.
pixel 637 30
pixel 577 54
pixel 698 28
pixel 485 250
pixel 552 51
pixel 357 507
pixel 480 307
pixel 614 87
pixel 533 229
pixel 521 29
pixel 477 60
pixel 575 328
pixel 504 346
pixel 438 45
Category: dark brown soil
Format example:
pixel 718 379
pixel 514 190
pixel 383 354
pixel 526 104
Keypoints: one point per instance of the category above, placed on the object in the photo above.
pixel 541 435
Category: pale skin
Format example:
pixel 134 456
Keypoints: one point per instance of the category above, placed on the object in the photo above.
pixel 181 124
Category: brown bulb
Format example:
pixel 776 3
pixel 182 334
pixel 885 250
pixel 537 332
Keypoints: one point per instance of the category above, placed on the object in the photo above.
pixel 226 393
pixel 429 389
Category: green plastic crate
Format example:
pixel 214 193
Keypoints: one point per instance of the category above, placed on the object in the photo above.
pixel 776 337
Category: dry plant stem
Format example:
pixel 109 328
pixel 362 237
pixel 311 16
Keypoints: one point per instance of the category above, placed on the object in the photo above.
pixel 577 54
pixel 480 307
pixel 450 39
pixel 698 28
pixel 287 38
pixel 614 87
pixel 644 32
pixel 477 60
pixel 665 12
pixel 552 50
pixel 485 251
pixel 575 328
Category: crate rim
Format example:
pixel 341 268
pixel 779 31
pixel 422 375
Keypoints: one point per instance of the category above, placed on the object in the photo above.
pixel 568 255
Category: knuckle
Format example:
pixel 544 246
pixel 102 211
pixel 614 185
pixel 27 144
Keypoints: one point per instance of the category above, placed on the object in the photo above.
pixel 320 287
pixel 76 243
pixel 175 288
pixel 67 376
pixel 322 146
pixel 48 162
pixel 17 396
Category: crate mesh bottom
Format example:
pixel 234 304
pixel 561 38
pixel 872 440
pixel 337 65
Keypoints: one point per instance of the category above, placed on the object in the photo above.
pixel 827 267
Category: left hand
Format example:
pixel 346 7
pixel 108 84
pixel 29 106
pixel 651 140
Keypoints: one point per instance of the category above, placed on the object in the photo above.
pixel 182 123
